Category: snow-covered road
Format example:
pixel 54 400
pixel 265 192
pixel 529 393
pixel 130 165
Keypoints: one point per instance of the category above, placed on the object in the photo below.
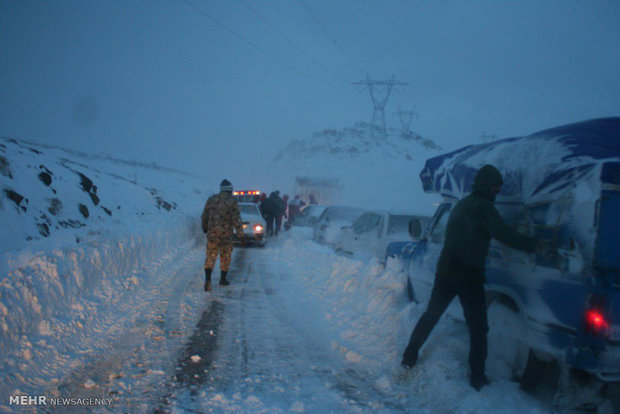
pixel 299 329
pixel 275 353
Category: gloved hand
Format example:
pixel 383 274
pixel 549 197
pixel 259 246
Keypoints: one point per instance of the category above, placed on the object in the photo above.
pixel 546 249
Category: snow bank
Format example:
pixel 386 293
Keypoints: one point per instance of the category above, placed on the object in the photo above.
pixel 369 319
pixel 81 236
pixel 50 292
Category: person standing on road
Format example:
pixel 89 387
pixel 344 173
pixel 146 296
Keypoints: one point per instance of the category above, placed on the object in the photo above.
pixel 294 208
pixel 473 222
pixel 219 217
pixel 270 208
pixel 283 213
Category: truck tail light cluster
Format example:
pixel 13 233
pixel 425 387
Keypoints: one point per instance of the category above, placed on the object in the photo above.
pixel 596 319
pixel 596 322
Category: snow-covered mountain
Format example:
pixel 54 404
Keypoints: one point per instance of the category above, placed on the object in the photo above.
pixel 372 171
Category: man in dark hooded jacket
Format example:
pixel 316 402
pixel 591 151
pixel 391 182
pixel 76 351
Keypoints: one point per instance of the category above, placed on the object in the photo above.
pixel 271 208
pixel 472 224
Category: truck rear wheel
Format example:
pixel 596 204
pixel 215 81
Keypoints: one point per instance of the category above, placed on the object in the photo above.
pixel 509 354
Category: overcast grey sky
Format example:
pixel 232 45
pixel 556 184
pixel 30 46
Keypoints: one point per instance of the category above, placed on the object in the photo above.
pixel 199 84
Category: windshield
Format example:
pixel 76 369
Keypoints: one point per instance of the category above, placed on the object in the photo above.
pixel 315 211
pixel 249 209
pixel 342 213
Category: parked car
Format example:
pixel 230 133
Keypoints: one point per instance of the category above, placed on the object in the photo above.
pixel 309 215
pixel 332 220
pixel 562 184
pixel 254 224
pixel 373 231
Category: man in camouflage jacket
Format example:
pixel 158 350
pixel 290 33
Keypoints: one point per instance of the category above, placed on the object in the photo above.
pixel 219 217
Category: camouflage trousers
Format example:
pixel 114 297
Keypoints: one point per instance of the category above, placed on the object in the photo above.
pixel 222 247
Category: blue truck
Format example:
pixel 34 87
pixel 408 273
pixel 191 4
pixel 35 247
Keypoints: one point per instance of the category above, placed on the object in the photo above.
pixel 562 185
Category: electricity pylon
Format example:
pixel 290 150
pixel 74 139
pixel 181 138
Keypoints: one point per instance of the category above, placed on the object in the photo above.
pixel 406 117
pixel 379 93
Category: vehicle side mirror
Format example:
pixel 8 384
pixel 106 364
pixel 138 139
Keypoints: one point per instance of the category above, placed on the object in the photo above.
pixel 415 229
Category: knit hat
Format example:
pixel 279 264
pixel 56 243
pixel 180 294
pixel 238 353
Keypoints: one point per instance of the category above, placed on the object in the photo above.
pixel 225 185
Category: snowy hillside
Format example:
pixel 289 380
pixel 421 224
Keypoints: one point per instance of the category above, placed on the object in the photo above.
pixel 76 232
pixel 49 193
pixel 373 172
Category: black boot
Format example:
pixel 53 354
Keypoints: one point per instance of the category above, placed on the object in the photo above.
pixel 478 381
pixel 208 279
pixel 223 281
pixel 409 359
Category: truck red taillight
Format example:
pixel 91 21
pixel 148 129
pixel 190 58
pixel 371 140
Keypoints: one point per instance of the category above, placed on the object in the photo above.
pixel 596 321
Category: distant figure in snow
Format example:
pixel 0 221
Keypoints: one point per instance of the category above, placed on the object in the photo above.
pixel 271 208
pixel 219 217
pixel 472 224
pixel 259 202
pixel 312 199
pixel 294 209
pixel 283 213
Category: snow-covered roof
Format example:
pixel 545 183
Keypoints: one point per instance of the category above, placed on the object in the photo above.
pixel 536 167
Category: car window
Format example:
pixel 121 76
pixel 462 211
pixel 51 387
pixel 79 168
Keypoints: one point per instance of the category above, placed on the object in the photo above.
pixel 359 226
pixel 380 226
pixel 340 214
pixel 399 223
pixel 373 223
pixel 324 215
pixel 437 228
pixel 344 213
pixel 316 211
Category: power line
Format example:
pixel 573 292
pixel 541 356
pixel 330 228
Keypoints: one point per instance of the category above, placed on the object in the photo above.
pixel 295 45
pixel 255 46
pixel 316 19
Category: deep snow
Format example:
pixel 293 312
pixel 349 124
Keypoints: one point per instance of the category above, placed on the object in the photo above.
pixel 106 308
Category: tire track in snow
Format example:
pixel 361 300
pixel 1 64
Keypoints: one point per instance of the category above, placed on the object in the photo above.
pixel 271 361
pixel 198 355
pixel 352 383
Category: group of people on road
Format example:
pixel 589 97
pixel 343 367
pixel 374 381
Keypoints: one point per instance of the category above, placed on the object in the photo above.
pixel 473 222
pixel 275 209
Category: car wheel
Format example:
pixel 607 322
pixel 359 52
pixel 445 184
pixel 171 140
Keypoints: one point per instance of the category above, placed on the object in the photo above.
pixel 509 355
